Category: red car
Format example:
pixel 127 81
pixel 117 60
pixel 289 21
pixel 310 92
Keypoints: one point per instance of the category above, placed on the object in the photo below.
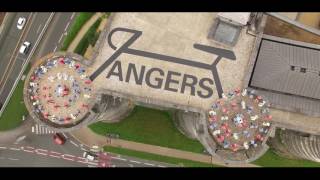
pixel 59 139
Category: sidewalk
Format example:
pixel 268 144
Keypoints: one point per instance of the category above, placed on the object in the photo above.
pixel 83 31
pixel 89 138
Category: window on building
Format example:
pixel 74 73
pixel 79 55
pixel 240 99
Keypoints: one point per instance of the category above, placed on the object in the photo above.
pixel 303 70
pixel 226 32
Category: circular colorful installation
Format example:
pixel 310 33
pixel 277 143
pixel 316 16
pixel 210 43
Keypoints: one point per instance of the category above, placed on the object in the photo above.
pixel 60 90
pixel 239 120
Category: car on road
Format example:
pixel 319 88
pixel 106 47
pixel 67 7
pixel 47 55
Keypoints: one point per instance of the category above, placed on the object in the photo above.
pixel 59 139
pixel 89 156
pixel 21 22
pixel 25 47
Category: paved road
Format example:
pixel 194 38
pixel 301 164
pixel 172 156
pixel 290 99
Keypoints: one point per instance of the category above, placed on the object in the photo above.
pixel 40 151
pixel 31 32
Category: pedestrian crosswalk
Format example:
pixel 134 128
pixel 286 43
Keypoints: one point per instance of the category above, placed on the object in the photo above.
pixel 41 129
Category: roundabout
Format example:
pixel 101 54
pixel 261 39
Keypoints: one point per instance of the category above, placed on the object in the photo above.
pixel 59 91
pixel 239 121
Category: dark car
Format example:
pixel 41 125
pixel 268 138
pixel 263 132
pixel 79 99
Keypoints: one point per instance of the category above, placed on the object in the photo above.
pixel 59 139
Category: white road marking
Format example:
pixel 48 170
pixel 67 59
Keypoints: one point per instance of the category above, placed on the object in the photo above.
pixel 39 28
pixel 53 152
pixel 92 163
pixel 15 149
pixel 74 143
pixel 66 158
pixel 32 129
pixel 42 154
pixel 65 29
pixel 13 159
pixel 119 158
pixel 55 48
pixel 43 150
pixel 148 164
pixel 3 147
pixel 60 38
pixel 36 128
pixel 65 135
pixel 72 16
pixel 54 156
pixel 135 161
pixel 46 130
pixel 83 149
pixel 161 166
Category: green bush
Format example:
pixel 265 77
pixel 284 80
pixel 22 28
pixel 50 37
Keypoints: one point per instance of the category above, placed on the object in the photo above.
pixel 90 37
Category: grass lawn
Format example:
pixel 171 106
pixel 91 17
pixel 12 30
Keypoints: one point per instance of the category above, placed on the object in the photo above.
pixel 79 21
pixel 149 126
pixel 270 159
pixel 12 115
pixel 155 157
pixel 90 37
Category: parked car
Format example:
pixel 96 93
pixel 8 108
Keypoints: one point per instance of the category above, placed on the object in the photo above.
pixel 89 156
pixel 24 49
pixel 59 139
pixel 112 135
pixel 21 22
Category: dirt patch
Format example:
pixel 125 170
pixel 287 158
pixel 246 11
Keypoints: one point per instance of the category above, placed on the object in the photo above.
pixel 279 28
pixel 2 15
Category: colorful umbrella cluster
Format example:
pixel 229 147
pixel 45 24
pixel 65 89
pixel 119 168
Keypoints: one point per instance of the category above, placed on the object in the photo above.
pixel 60 90
pixel 239 120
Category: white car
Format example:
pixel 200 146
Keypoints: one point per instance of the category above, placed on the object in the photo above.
pixel 21 22
pixel 89 156
pixel 25 47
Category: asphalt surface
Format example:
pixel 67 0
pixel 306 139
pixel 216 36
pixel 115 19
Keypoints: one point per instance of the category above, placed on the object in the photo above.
pixel 40 151
pixel 10 55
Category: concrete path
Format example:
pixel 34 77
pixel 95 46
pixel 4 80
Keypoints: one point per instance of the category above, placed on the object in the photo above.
pixel 89 138
pixel 83 31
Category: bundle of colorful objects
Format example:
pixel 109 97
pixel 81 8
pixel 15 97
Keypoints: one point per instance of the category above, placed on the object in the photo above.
pixel 239 120
pixel 60 90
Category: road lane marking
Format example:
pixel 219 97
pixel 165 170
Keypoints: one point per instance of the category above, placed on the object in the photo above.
pixel 15 149
pixel 60 38
pixel 55 48
pixel 39 29
pixel 92 163
pixel 13 159
pixel 3 147
pixel 119 158
pixel 5 77
pixel 53 152
pixel 36 128
pixel 72 16
pixel 65 135
pixel 65 29
pixel 74 143
pixel 135 162
pixel 42 154
pixel 55 156
pixel 32 129
pixel 148 164
pixel 66 158
pixel 161 166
